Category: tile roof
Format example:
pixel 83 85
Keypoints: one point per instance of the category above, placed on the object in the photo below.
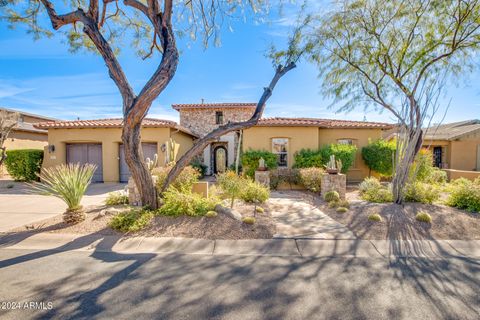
pixel 28 127
pixel 214 105
pixel 451 131
pixel 322 123
pixel 110 123
pixel 33 115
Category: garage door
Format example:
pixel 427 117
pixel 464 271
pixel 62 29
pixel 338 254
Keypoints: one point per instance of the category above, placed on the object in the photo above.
pixel 149 151
pixel 87 153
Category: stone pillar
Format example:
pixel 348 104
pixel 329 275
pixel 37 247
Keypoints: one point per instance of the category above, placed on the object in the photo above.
pixel 336 182
pixel 263 177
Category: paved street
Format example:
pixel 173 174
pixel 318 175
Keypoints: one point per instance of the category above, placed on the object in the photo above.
pixel 91 284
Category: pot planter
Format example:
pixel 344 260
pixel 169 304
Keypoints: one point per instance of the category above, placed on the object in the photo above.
pixel 332 171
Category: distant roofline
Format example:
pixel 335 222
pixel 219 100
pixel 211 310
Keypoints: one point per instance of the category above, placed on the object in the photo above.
pixel 29 114
pixel 215 105
pixel 322 123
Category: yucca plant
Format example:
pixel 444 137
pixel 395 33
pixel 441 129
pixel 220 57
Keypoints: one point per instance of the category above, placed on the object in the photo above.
pixel 69 183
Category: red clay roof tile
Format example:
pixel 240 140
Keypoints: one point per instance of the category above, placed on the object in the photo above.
pixel 321 123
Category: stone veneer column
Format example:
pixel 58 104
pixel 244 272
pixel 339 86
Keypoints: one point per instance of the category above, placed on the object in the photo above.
pixel 263 177
pixel 336 182
pixel 133 194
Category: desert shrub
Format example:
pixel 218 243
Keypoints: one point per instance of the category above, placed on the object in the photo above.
pixel 248 220
pixel 184 182
pixel 211 214
pixel 331 195
pixel 423 169
pixel 176 203
pixel 339 203
pixel 436 176
pixel 465 195
pixel 24 164
pixel 341 210
pixel 200 167
pixel 69 182
pixel 250 160
pixel 423 216
pixel 253 191
pixel 116 198
pixel 373 191
pixel 379 156
pixel 375 217
pixel 284 175
pixel 344 152
pixel 311 178
pixel 231 185
pixel 308 158
pixel 132 220
pixel 259 210
pixel 421 192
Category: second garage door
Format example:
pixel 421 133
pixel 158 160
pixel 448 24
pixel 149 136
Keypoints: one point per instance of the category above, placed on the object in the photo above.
pixel 149 151
pixel 87 153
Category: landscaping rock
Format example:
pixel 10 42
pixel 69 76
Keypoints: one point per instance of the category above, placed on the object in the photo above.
pixel 108 211
pixel 229 212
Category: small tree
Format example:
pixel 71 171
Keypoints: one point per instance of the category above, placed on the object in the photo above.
pixel 231 184
pixel 394 55
pixel 379 156
pixel 8 120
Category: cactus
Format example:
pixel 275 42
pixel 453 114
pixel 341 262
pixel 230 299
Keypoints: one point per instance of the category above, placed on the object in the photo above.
pixel 152 164
pixel 333 164
pixel 170 151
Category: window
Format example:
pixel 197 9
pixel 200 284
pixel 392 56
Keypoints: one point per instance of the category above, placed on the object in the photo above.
pixel 219 117
pixel 280 148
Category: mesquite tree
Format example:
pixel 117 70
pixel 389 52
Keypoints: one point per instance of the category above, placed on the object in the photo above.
pixel 152 26
pixel 8 120
pixel 394 55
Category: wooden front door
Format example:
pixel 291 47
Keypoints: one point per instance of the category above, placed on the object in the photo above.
pixel 219 159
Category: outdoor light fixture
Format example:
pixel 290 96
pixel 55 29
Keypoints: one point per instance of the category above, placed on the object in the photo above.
pixel 51 148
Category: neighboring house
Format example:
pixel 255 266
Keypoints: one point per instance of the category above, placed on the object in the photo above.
pixel 455 145
pixel 24 135
pixel 99 142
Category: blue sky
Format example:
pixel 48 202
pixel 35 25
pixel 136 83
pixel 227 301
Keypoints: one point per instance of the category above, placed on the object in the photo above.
pixel 43 77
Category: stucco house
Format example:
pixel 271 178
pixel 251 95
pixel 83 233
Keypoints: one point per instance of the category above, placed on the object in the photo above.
pixel 455 145
pixel 24 135
pixel 99 141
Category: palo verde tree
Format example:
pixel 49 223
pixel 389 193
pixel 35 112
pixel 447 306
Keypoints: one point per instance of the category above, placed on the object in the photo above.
pixel 395 56
pixel 153 26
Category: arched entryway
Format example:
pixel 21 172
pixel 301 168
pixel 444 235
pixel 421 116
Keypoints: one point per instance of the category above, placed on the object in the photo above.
pixel 219 159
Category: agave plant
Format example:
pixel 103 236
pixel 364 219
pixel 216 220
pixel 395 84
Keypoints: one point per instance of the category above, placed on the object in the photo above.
pixel 69 183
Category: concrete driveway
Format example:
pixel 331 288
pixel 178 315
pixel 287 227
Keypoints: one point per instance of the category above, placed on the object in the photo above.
pixel 19 207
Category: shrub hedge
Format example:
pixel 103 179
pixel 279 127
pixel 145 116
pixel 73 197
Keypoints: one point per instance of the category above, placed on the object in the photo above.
pixel 24 164
pixel 379 156
pixel 307 158
pixel 250 160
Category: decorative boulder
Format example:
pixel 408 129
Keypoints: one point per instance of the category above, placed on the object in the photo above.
pixel 229 212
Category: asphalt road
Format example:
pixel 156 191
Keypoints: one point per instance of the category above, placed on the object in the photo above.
pixel 89 285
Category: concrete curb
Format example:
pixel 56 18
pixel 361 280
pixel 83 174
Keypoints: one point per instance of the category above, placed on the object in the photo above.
pixel 254 247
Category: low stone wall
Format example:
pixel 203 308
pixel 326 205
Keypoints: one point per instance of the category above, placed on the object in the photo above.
pixel 336 182
pixel 455 174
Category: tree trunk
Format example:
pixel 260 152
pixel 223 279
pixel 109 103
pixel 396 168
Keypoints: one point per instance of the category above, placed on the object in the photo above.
pixel 203 142
pixel 239 149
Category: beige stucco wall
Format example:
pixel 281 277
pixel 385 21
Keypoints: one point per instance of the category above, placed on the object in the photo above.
pixel 360 137
pixel 260 138
pixel 463 155
pixel 110 138
pixel 25 140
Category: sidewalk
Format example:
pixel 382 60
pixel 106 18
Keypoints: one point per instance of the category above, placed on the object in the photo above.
pixel 258 247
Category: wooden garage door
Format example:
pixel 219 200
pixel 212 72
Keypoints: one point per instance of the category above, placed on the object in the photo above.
pixel 149 151
pixel 87 153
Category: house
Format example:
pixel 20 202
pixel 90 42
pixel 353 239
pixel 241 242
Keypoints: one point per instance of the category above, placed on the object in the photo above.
pixel 24 135
pixel 455 145
pixel 99 142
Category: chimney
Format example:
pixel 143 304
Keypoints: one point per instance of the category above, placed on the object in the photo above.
pixel 203 101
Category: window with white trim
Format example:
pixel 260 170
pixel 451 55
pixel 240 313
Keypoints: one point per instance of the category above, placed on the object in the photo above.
pixel 280 148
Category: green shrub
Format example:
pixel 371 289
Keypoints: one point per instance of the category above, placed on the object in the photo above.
pixel 254 192
pixel 339 203
pixel 176 203
pixel 231 185
pixel 248 220
pixel 284 175
pixel 436 176
pixel 422 216
pixel 465 195
pixel 344 152
pixel 373 191
pixel 211 214
pixel 375 217
pixel 331 195
pixel 250 161
pixel 423 169
pixel 341 210
pixel 24 164
pixel 132 220
pixel 200 167
pixel 368 184
pixel 311 178
pixel 308 158
pixel 116 198
pixel 421 192
pixel 184 182
pixel 379 156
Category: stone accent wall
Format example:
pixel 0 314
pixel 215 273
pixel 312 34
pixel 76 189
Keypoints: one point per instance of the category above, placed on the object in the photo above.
pixel 336 182
pixel 263 177
pixel 202 121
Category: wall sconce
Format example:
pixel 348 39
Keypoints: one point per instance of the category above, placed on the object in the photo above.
pixel 51 148
pixel 163 147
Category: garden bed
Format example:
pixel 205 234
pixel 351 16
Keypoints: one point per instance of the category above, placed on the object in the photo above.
pixel 399 223
pixel 219 227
